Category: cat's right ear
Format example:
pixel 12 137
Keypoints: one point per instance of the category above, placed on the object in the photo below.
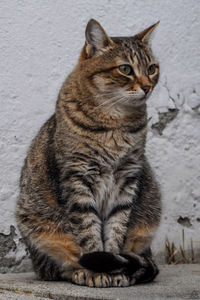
pixel 97 39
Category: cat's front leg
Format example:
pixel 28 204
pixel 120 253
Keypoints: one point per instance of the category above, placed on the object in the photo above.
pixel 116 223
pixel 115 229
pixel 85 225
pixel 82 215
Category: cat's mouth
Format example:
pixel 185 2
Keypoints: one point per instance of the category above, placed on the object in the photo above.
pixel 140 95
pixel 145 96
pixel 140 98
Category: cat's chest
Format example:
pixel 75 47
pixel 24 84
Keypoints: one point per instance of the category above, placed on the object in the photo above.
pixel 105 192
pixel 108 186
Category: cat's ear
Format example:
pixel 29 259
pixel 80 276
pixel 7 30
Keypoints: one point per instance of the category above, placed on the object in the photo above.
pixel 96 38
pixel 145 35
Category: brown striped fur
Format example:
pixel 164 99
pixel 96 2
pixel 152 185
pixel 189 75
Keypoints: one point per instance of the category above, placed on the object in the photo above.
pixel 61 246
pixel 86 185
pixel 138 238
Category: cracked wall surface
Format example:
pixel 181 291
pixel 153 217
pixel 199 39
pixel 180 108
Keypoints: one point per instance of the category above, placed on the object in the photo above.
pixel 40 44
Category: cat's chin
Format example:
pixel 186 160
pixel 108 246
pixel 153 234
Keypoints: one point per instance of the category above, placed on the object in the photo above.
pixel 140 101
pixel 135 102
pixel 129 108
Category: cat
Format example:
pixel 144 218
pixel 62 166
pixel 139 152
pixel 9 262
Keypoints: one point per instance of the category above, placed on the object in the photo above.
pixel 89 204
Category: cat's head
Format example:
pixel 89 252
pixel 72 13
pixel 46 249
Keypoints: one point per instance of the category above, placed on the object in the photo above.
pixel 122 70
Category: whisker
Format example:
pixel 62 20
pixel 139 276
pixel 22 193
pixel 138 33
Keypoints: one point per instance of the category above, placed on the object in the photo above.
pixel 104 103
pixel 114 98
pixel 117 101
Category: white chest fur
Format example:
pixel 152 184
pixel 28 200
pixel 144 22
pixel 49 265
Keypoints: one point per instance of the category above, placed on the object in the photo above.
pixel 109 192
pixel 106 193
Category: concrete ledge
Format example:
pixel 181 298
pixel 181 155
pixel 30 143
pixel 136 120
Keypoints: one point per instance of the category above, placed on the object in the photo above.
pixel 173 282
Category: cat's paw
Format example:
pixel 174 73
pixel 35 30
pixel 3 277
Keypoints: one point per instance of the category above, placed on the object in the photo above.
pixel 99 280
pixel 79 276
pixel 88 278
pixel 120 280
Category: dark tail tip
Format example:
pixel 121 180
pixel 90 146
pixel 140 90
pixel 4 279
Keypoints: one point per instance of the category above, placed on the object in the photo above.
pixel 102 261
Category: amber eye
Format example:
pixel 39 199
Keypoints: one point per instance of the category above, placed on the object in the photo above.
pixel 152 69
pixel 126 70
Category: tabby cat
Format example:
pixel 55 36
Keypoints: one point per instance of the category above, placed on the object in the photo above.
pixel 89 204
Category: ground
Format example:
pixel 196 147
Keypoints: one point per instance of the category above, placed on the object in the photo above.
pixel 173 282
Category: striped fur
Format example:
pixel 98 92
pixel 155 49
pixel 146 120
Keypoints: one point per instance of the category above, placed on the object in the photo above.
pixel 86 185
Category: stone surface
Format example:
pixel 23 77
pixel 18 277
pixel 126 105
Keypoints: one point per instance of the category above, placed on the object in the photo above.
pixel 173 282
pixel 40 44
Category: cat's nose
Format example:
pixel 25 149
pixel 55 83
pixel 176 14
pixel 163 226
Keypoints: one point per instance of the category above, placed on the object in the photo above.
pixel 146 88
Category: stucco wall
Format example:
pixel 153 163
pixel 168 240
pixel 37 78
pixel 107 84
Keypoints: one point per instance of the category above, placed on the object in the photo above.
pixel 39 45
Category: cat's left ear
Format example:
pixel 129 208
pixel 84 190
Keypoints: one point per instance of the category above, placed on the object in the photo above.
pixel 145 35
pixel 96 38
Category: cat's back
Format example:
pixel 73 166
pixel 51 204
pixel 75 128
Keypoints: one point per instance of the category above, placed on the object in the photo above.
pixel 35 170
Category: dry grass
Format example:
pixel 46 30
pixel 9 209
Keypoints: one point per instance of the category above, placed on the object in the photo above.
pixel 176 255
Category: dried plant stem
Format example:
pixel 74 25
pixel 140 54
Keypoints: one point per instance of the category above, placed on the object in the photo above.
pixel 178 255
pixel 192 251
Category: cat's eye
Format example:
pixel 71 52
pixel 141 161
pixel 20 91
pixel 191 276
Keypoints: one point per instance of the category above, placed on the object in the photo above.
pixel 126 70
pixel 152 69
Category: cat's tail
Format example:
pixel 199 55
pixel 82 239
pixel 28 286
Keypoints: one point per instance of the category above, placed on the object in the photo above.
pixel 106 262
pixel 103 262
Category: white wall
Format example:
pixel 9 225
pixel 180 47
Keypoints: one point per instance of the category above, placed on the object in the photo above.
pixel 39 45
